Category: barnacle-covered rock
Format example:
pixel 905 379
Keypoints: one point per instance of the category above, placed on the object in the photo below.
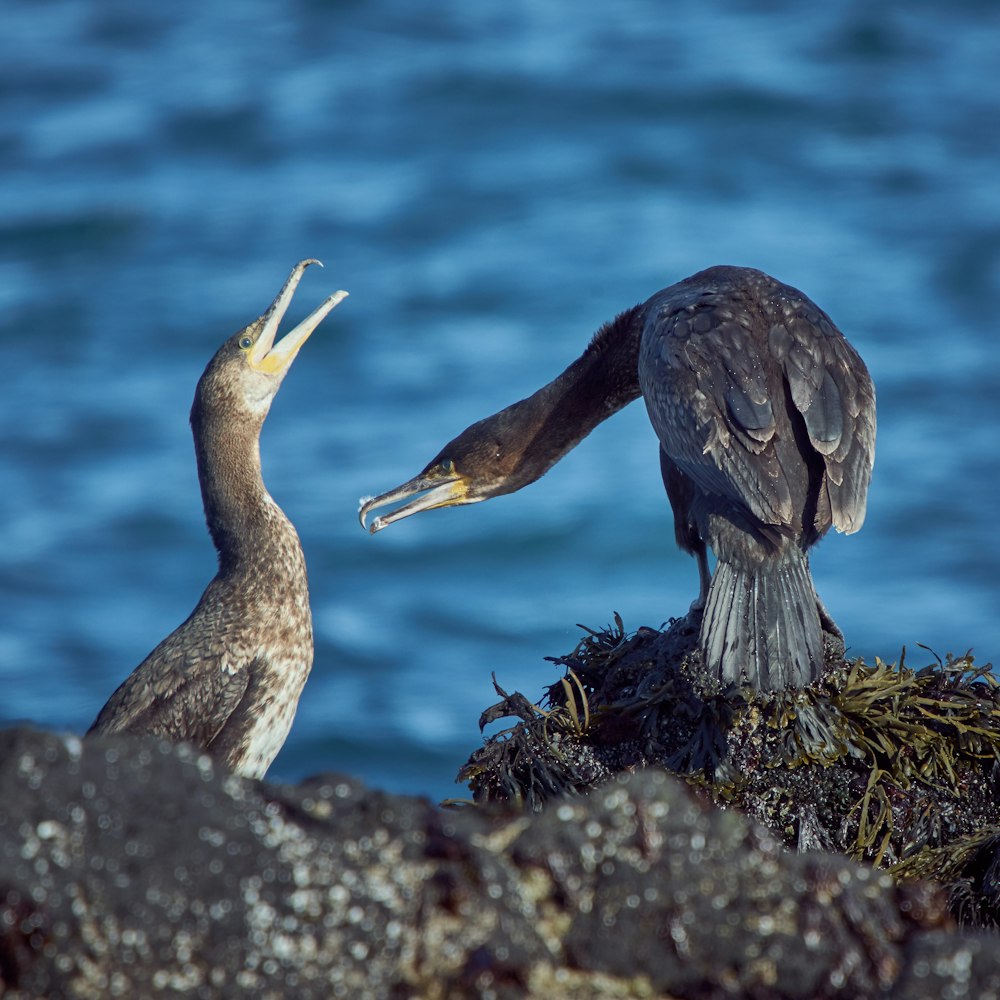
pixel 135 868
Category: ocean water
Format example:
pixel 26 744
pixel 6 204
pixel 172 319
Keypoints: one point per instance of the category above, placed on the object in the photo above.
pixel 490 182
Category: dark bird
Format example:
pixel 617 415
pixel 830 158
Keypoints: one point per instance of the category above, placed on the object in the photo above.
pixel 229 678
pixel 766 420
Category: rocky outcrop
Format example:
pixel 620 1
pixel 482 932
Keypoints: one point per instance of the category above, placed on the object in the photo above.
pixel 883 763
pixel 135 868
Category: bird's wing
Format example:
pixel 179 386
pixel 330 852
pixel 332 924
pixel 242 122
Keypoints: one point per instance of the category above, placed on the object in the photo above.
pixel 712 397
pixel 179 692
pixel 709 396
pixel 831 388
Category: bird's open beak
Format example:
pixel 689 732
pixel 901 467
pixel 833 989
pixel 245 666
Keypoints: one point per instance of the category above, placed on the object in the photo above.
pixel 276 358
pixel 443 489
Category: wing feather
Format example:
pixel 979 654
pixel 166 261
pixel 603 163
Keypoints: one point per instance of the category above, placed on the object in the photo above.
pixel 719 361
pixel 179 692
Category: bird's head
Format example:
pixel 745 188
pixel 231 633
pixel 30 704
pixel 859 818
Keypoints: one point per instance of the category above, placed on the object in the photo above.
pixel 492 457
pixel 250 366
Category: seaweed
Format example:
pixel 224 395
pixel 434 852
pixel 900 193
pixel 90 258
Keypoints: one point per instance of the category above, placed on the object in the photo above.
pixel 895 766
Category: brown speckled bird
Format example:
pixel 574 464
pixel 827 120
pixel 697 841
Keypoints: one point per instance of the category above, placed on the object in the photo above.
pixel 229 678
pixel 766 421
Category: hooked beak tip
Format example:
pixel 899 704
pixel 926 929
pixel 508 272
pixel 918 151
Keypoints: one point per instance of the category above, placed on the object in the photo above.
pixel 364 505
pixel 435 493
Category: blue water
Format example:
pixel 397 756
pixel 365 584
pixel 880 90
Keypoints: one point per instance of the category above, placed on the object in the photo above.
pixel 491 182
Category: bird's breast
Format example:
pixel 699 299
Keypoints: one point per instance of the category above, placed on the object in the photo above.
pixel 271 717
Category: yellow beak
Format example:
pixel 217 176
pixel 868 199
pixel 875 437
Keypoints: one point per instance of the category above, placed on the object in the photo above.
pixel 275 359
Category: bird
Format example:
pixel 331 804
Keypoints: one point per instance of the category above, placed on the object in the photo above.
pixel 765 416
pixel 228 679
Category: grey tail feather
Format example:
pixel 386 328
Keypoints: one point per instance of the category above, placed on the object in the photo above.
pixel 762 623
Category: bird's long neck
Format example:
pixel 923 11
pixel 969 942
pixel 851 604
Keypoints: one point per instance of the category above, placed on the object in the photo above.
pixel 246 525
pixel 594 387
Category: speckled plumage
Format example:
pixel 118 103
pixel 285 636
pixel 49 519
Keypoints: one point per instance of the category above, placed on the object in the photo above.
pixel 766 421
pixel 229 678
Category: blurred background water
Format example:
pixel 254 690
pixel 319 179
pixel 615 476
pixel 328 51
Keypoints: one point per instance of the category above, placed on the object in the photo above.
pixel 491 182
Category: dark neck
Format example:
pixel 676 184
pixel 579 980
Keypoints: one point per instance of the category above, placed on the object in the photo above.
pixel 597 385
pixel 243 520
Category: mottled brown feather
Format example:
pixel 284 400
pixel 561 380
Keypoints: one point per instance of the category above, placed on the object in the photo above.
pixel 229 678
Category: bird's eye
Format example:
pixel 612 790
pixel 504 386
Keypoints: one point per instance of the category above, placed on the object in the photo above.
pixel 447 466
pixel 246 343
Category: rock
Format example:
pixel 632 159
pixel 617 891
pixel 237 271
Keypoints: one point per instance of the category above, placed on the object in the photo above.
pixel 882 763
pixel 134 868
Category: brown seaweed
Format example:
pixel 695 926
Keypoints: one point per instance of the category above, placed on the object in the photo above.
pixel 885 763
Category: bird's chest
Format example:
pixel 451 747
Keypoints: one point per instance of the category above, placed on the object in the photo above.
pixel 278 689
pixel 281 655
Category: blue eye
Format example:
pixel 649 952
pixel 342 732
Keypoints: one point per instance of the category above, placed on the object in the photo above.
pixel 246 343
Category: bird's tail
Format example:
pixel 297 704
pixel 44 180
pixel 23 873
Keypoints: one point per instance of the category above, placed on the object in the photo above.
pixel 762 623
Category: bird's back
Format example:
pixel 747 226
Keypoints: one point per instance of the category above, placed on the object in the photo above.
pixel 760 400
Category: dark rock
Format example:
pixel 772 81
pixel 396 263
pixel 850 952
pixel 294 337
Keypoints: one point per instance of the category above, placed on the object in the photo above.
pixel 134 868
